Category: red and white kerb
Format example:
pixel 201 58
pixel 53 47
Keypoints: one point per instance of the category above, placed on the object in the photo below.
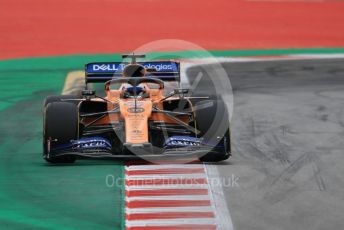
pixel 171 196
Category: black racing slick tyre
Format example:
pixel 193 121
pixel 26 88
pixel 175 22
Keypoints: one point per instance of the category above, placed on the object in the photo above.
pixel 212 120
pixel 61 125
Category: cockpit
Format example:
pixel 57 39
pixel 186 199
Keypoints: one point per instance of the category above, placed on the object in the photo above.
pixel 139 91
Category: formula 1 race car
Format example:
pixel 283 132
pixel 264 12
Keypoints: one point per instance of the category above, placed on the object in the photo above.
pixel 143 114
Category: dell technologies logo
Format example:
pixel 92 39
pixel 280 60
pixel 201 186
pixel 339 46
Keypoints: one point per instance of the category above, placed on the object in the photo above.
pixel 115 67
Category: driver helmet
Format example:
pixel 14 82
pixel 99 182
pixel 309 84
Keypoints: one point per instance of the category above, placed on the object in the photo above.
pixel 134 70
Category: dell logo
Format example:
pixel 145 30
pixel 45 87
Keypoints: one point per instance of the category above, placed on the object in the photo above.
pixel 106 67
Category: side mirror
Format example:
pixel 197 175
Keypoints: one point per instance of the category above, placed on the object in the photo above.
pixel 181 91
pixel 88 93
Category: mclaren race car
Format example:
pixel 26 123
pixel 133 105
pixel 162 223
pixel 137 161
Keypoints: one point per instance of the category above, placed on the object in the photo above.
pixel 142 114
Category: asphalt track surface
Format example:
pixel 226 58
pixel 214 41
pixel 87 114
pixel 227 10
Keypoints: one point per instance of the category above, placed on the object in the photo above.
pixel 288 142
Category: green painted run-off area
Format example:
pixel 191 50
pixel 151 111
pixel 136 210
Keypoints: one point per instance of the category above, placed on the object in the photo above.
pixel 34 194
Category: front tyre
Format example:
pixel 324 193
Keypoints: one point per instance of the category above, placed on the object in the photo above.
pixel 212 120
pixel 61 125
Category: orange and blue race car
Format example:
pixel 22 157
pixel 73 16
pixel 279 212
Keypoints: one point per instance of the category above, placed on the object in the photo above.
pixel 142 114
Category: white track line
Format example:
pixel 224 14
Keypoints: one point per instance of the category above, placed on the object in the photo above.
pixel 165 166
pixel 169 209
pixel 187 63
pixel 171 186
pixel 223 217
pixel 167 176
pixel 209 221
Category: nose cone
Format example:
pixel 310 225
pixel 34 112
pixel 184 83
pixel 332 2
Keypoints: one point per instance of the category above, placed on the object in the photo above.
pixel 134 70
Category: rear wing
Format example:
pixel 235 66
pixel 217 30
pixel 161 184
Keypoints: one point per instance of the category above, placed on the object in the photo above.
pixel 105 71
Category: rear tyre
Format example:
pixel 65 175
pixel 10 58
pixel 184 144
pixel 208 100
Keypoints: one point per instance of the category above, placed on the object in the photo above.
pixel 61 125
pixel 212 120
